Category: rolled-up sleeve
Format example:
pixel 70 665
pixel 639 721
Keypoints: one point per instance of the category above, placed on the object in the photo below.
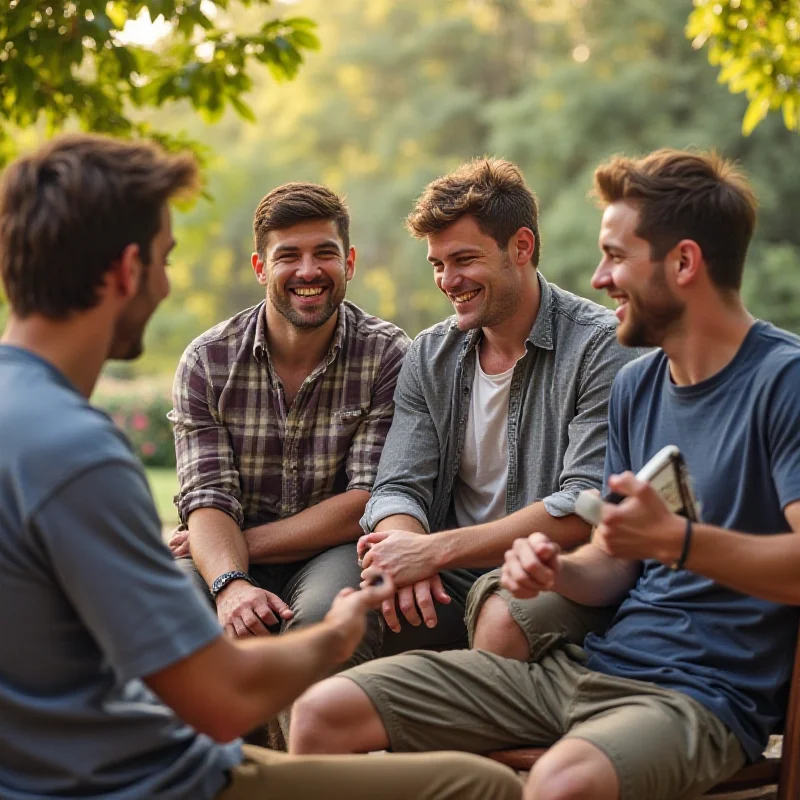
pixel 409 464
pixel 588 430
pixel 207 470
pixel 368 443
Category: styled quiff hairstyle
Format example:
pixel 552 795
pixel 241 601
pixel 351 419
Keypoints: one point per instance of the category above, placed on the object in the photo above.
pixel 491 190
pixel 297 202
pixel 68 210
pixel 686 195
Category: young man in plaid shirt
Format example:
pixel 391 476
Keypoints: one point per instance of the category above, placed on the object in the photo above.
pixel 280 414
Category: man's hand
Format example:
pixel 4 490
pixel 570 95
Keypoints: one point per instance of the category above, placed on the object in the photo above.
pixel 245 610
pixel 416 603
pixel 641 526
pixel 530 566
pixel 404 556
pixel 179 542
pixel 347 615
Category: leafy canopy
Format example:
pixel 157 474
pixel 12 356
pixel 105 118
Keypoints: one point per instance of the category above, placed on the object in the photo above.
pixel 63 61
pixel 756 44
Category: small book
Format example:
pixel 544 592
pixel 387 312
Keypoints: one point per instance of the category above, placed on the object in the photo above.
pixel 666 472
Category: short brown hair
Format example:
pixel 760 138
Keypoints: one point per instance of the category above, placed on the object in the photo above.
pixel 298 202
pixel 686 195
pixel 491 190
pixel 68 210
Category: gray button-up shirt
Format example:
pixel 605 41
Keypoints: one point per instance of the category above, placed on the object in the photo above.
pixel 557 414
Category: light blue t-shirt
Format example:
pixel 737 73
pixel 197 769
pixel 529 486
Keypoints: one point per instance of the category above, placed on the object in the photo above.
pixel 90 602
pixel 739 432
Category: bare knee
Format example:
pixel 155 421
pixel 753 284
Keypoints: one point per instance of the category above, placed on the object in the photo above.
pixel 335 716
pixel 498 632
pixel 572 770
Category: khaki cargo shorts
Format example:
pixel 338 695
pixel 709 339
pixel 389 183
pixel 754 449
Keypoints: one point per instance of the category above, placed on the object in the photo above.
pixel 663 744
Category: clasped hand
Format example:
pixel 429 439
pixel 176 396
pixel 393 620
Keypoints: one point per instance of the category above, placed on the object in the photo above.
pixel 408 559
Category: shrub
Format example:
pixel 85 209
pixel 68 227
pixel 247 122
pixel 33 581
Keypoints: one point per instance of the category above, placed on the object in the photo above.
pixel 140 409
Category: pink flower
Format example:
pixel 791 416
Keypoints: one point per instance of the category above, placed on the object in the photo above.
pixel 148 449
pixel 139 421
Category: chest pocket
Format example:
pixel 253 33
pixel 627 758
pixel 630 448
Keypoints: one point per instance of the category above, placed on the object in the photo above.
pixel 348 419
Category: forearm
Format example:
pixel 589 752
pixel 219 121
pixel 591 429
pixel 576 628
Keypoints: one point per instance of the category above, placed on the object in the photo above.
pixel 484 545
pixel 400 522
pixel 590 577
pixel 216 543
pixel 230 686
pixel 757 565
pixel 332 522
pixel 274 671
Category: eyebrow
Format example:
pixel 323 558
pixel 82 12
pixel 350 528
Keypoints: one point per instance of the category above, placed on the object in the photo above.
pixel 330 244
pixel 458 253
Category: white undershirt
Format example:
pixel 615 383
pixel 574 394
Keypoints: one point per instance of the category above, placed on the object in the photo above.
pixel 479 494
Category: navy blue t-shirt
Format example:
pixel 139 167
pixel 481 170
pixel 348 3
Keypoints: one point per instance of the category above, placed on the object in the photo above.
pixel 739 432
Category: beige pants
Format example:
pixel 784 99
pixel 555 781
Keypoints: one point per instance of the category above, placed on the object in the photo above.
pixel 267 775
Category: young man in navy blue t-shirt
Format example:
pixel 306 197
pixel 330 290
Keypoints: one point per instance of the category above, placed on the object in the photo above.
pixel 692 675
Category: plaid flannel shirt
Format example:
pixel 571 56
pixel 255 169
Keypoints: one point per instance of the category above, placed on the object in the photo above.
pixel 240 449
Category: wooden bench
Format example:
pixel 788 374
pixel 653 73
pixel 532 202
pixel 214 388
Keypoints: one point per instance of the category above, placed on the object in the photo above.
pixel 783 771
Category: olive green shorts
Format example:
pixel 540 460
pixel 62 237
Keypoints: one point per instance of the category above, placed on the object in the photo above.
pixel 663 744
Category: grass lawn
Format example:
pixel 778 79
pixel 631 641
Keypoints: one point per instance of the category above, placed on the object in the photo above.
pixel 164 485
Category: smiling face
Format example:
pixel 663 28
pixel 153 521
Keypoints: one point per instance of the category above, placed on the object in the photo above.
pixel 305 271
pixel 475 274
pixel 647 308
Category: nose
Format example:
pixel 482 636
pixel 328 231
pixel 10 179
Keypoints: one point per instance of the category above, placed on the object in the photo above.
pixel 602 275
pixel 307 269
pixel 449 279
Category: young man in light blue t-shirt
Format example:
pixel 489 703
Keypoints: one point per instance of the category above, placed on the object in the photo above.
pixel 116 680
pixel 692 675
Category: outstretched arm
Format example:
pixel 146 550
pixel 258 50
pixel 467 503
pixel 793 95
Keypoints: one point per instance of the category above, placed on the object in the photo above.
pixel 230 686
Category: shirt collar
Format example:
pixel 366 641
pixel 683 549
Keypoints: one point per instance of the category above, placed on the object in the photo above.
pixel 260 350
pixel 541 334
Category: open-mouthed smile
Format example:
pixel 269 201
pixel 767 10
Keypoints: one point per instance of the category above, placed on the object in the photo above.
pixel 464 297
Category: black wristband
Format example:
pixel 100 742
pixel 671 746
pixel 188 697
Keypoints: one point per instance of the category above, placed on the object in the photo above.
pixel 687 543
pixel 223 580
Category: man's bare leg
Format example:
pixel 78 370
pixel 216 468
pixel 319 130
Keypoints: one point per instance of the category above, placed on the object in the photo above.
pixel 498 632
pixel 573 769
pixel 335 716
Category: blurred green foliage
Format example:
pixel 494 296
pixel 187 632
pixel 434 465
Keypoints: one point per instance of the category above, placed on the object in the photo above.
pixel 756 44
pixel 63 62
pixel 402 92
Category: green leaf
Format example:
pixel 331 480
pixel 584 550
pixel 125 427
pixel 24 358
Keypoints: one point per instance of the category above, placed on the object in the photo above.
pixel 756 111
pixel 242 109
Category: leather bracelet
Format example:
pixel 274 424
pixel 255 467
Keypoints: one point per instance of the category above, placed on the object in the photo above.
pixel 687 543
pixel 223 580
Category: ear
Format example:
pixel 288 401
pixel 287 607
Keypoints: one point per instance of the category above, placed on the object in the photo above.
pixel 521 246
pixel 126 273
pixel 350 264
pixel 687 262
pixel 259 268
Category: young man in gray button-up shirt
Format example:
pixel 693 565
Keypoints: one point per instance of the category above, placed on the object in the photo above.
pixel 520 356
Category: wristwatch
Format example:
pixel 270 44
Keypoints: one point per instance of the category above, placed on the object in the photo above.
pixel 223 580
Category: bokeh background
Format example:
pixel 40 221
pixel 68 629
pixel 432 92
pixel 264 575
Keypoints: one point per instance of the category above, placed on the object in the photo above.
pixel 400 92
